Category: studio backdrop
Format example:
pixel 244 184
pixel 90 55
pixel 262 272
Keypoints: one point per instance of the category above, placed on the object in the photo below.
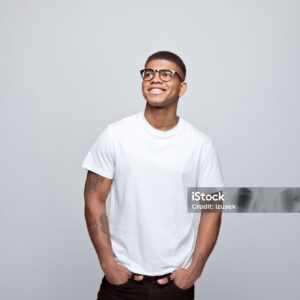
pixel 69 68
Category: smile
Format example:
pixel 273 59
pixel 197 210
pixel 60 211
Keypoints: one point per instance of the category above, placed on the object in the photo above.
pixel 156 91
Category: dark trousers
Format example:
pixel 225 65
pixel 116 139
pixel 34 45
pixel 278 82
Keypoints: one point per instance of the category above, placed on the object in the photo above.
pixel 146 289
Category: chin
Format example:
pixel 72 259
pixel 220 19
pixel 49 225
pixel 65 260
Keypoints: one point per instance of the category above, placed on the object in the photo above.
pixel 156 103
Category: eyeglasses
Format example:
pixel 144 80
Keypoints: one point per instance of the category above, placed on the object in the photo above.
pixel 164 74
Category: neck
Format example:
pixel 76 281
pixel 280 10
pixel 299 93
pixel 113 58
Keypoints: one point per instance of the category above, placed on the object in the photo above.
pixel 161 118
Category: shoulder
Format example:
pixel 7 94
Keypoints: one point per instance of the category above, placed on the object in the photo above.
pixel 123 126
pixel 198 136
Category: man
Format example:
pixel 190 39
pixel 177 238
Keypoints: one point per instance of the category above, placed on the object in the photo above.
pixel 143 235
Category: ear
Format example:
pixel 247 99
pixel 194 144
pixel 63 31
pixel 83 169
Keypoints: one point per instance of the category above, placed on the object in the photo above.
pixel 182 89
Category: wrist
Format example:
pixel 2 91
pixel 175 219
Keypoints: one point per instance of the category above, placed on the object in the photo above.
pixel 197 265
pixel 195 272
pixel 107 263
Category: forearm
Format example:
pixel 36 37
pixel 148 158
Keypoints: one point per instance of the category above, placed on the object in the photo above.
pixel 208 232
pixel 98 228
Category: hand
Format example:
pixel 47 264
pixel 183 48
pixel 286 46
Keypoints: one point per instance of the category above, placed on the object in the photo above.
pixel 183 278
pixel 118 274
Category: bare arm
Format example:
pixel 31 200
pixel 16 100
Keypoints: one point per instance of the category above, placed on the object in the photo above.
pixel 208 232
pixel 95 193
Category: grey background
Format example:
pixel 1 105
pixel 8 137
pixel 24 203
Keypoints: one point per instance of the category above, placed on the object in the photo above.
pixel 69 68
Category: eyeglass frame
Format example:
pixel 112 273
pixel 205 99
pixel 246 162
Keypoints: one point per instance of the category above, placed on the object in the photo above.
pixel 157 71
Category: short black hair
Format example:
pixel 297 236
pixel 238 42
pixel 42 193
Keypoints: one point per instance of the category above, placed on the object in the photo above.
pixel 167 55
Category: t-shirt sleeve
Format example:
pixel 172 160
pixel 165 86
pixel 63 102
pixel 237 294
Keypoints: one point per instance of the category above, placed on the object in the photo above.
pixel 100 157
pixel 210 173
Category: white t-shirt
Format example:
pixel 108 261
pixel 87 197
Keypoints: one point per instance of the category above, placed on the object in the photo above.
pixel 151 230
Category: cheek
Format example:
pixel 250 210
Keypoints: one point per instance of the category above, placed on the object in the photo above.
pixel 144 86
pixel 144 90
pixel 175 89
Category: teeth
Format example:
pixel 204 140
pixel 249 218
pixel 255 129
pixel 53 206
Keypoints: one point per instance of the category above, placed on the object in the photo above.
pixel 156 91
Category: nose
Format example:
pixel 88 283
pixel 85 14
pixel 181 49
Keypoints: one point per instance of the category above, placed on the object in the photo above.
pixel 156 76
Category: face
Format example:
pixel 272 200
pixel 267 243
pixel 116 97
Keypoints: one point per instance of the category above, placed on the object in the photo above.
pixel 158 92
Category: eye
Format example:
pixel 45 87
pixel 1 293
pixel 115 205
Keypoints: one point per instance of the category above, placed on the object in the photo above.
pixel 166 74
pixel 148 74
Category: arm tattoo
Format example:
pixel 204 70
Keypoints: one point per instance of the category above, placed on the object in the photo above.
pixel 91 224
pixel 105 227
pixel 92 181
pixel 92 227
